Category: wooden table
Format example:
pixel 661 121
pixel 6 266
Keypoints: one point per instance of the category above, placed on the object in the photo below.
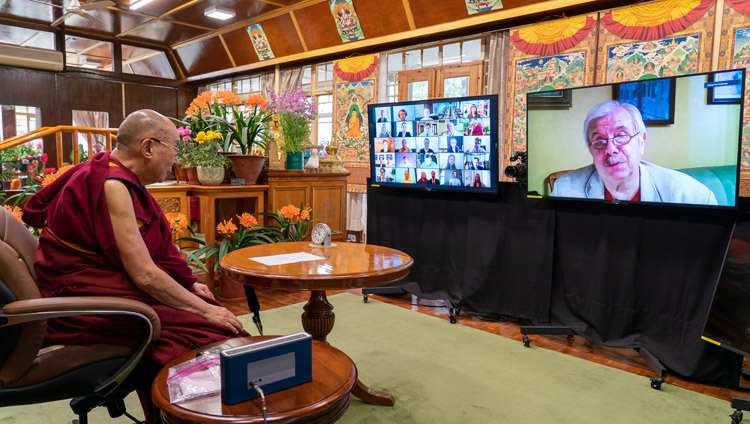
pixel 322 400
pixel 342 266
pixel 209 218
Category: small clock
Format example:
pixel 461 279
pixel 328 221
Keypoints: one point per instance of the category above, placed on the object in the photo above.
pixel 321 235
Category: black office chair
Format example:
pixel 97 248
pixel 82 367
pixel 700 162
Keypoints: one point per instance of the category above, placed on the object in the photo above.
pixel 98 375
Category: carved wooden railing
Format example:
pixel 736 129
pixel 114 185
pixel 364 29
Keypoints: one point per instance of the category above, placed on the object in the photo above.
pixel 58 131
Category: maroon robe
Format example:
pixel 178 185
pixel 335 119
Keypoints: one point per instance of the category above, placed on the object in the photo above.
pixel 78 256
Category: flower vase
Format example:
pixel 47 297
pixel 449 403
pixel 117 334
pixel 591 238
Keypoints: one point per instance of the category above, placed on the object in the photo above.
pixel 247 167
pixel 210 175
pixel 180 174
pixel 192 175
pixel 294 161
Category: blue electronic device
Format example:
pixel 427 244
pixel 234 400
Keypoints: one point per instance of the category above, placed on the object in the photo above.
pixel 273 365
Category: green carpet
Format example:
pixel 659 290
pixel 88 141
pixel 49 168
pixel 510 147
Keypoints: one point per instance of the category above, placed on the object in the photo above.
pixel 446 373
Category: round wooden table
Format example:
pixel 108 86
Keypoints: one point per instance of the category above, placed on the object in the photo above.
pixel 339 267
pixel 322 400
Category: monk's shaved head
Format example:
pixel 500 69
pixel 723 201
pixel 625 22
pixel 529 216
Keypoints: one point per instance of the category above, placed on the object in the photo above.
pixel 143 124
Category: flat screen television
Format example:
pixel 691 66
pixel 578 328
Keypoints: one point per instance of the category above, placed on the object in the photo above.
pixel 686 152
pixel 438 144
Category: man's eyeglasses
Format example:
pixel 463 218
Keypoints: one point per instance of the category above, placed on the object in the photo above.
pixel 619 140
pixel 176 149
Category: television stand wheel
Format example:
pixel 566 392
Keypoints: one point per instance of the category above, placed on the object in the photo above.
pixel 656 382
pixel 526 341
pixel 453 314
pixel 736 416
pixel 365 297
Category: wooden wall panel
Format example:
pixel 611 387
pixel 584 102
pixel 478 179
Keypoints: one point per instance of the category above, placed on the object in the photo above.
pixel 282 36
pixel 382 17
pixel 241 47
pixel 160 99
pixel 318 26
pixel 203 57
pixel 426 13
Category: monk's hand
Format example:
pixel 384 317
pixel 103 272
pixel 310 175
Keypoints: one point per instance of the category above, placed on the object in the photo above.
pixel 203 289
pixel 222 316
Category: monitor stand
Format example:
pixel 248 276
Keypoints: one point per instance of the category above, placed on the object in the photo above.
pixel 647 356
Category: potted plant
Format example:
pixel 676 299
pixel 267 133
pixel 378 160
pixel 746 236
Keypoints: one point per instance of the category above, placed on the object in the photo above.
pixel 205 156
pixel 245 132
pixel 295 110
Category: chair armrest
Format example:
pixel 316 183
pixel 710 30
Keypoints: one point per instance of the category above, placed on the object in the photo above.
pixel 28 310
pixel 55 307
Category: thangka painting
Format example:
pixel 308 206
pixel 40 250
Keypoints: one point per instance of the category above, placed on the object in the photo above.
pixel 350 120
pixel 734 52
pixel 653 59
pixel 479 6
pixel 260 42
pixel 347 21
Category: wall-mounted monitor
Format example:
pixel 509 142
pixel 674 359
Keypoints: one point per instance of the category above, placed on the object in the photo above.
pixel 438 144
pixel 657 141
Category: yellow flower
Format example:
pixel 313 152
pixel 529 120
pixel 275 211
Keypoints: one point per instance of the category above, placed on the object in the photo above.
pixel 200 138
pixel 247 220
pixel 227 227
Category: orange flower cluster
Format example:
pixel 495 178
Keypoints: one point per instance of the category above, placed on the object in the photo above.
pixel 247 220
pixel 227 227
pixel 15 210
pixel 294 213
pixel 178 223
pixel 49 178
pixel 256 100
pixel 201 105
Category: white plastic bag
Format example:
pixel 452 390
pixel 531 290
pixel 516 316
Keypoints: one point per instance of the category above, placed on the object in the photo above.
pixel 197 377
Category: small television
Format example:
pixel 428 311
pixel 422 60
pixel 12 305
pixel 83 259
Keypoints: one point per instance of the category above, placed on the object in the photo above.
pixel 685 152
pixel 438 144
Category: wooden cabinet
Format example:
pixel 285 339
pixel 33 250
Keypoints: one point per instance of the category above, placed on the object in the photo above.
pixel 324 192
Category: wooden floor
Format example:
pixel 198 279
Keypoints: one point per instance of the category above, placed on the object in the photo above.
pixel 624 359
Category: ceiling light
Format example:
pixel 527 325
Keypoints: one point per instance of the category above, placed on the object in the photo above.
pixel 219 13
pixel 90 63
pixel 137 4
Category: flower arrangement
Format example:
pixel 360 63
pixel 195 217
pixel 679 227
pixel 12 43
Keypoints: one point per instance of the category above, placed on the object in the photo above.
pixel 246 130
pixel 26 159
pixel 290 223
pixel 295 110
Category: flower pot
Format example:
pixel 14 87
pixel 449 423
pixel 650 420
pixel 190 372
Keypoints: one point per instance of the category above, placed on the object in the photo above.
pixel 180 174
pixel 247 167
pixel 192 175
pixel 210 175
pixel 294 160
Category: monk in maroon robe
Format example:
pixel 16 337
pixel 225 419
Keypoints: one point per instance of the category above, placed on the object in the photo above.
pixel 105 235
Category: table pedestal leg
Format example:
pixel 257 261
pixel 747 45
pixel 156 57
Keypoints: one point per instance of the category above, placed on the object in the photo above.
pixel 318 320
pixel 318 317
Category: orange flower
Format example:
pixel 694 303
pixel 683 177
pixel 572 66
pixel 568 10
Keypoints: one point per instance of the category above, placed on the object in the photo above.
pixel 289 211
pixel 304 214
pixel 178 223
pixel 15 210
pixel 49 178
pixel 247 220
pixel 256 100
pixel 227 227
pixel 226 98
pixel 199 105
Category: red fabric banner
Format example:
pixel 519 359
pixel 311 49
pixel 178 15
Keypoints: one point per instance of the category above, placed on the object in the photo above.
pixel 742 6
pixel 654 21
pixel 550 38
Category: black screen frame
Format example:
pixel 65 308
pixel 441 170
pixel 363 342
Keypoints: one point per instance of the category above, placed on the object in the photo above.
pixel 732 199
pixel 491 139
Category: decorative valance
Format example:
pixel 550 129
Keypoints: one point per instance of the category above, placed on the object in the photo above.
pixel 356 68
pixel 657 20
pixel 552 37
pixel 742 6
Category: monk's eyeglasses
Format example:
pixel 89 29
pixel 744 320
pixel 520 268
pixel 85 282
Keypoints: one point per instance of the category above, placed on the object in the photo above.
pixel 176 149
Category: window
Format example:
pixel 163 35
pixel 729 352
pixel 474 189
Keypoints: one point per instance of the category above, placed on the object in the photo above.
pixel 148 62
pixel 323 129
pixel 87 53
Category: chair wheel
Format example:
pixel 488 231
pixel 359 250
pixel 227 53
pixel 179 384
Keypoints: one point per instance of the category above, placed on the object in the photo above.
pixel 526 341
pixel 656 383
pixel 364 298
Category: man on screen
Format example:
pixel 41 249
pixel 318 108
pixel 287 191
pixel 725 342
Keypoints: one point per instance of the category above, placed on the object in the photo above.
pixel 383 132
pixel 615 135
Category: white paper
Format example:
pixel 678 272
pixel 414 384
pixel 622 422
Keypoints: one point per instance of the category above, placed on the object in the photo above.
pixel 286 258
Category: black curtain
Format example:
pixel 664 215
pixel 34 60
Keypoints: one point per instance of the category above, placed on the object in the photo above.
pixel 486 253
pixel 629 276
